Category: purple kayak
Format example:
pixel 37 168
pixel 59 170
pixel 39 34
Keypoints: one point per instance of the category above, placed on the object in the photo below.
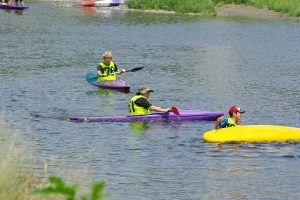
pixel 113 84
pixel 116 84
pixel 13 7
pixel 185 115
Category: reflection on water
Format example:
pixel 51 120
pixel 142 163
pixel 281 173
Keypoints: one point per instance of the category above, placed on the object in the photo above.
pixel 100 12
pixel 138 126
pixel 19 12
pixel 106 92
pixel 88 11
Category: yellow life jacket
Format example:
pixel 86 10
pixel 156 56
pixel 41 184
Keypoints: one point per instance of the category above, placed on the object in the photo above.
pixel 109 70
pixel 230 123
pixel 135 109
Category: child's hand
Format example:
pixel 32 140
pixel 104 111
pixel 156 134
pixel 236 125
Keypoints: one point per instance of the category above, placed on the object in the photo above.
pixel 218 122
pixel 220 119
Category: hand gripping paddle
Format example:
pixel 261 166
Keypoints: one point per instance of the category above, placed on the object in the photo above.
pixel 175 111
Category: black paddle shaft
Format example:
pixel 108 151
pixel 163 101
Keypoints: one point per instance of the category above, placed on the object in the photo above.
pixel 134 69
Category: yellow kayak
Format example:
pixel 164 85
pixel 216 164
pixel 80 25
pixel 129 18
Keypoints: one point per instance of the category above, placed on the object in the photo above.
pixel 253 133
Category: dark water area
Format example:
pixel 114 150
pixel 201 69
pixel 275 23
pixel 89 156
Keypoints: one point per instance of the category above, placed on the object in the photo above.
pixel 191 62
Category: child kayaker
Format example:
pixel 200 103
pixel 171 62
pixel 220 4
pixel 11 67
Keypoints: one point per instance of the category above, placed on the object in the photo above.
pixel 235 114
pixel 107 69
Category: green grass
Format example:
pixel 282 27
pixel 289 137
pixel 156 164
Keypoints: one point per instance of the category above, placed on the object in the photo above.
pixel 179 6
pixel 17 178
pixel 207 7
pixel 58 186
pixel 22 177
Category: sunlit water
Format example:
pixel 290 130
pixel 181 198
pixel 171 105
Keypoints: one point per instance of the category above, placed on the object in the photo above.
pixel 191 62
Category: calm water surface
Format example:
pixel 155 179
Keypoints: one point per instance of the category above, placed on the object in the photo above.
pixel 191 62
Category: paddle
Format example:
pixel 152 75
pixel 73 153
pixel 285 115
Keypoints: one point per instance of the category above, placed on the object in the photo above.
pixel 175 111
pixel 93 77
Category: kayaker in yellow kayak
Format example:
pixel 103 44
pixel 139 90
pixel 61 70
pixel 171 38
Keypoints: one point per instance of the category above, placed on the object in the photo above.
pixel 235 114
pixel 107 69
pixel 139 104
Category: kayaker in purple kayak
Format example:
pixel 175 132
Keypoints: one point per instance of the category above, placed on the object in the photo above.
pixel 235 114
pixel 21 2
pixel 5 2
pixel 106 71
pixel 139 104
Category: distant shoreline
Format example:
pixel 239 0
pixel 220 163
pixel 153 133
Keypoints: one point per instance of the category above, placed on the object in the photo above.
pixel 224 10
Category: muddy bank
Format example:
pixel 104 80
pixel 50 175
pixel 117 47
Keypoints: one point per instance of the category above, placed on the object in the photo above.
pixel 249 11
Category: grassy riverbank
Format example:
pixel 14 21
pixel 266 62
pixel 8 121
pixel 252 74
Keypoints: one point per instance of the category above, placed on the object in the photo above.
pixel 208 7
pixel 21 173
pixel 17 174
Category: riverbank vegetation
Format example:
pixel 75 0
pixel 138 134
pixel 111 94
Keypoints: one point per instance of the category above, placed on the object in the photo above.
pixel 22 176
pixel 208 7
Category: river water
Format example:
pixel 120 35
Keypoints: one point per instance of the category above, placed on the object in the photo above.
pixel 191 62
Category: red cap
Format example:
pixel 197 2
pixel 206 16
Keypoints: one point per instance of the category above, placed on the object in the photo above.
pixel 234 109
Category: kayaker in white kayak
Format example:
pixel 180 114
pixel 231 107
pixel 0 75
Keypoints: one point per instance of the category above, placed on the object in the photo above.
pixel 106 71
pixel 139 104
pixel 235 114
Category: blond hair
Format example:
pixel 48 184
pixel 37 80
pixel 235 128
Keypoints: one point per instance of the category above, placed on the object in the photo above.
pixel 107 54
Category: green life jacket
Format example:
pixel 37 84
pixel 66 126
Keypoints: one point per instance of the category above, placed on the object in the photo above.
pixel 135 109
pixel 109 70
pixel 230 123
